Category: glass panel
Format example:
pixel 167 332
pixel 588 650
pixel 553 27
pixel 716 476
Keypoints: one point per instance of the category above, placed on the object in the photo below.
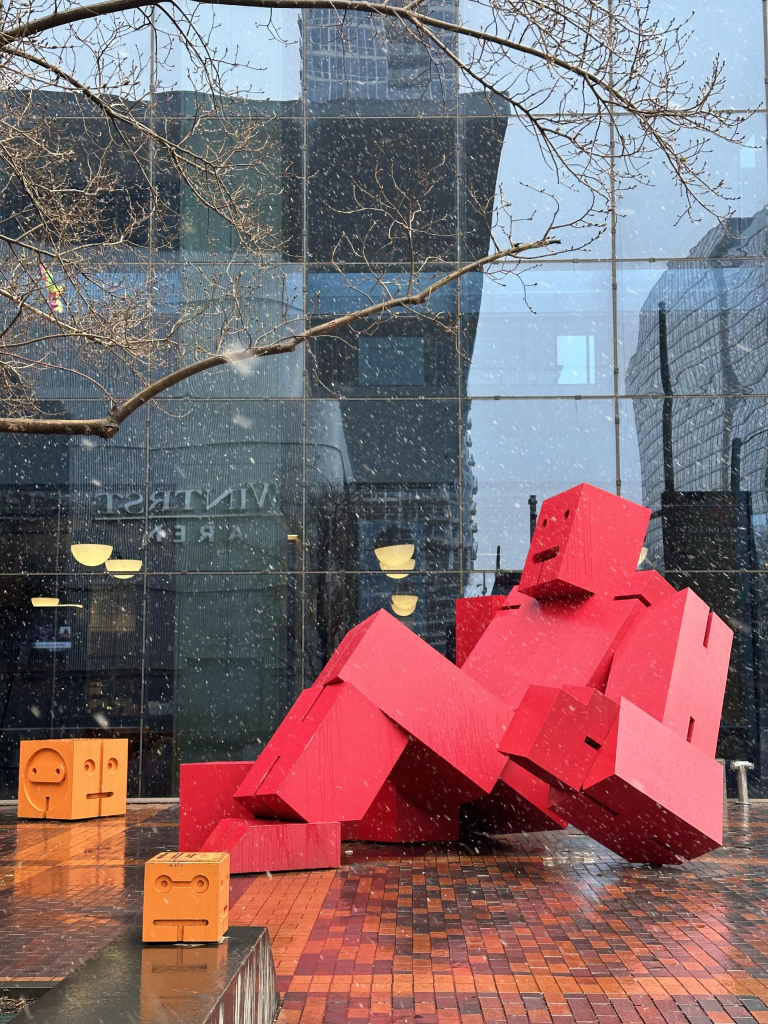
pixel 423 602
pixel 538 196
pixel 121 69
pixel 652 219
pixel 532 449
pixel 548 332
pixel 730 32
pixel 392 167
pixel 224 667
pixel 258 53
pixel 70 670
pixel 379 466
pixel 224 486
pixel 715 445
pixel 704 320
pixel 403 354
pixel 58 491
pixel 482 129
pixel 233 307
pixel 523 78
pixel 359 65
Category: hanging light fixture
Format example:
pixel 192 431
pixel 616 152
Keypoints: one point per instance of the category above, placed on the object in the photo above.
pixel 123 568
pixel 394 549
pixel 91 554
pixel 51 602
pixel 404 600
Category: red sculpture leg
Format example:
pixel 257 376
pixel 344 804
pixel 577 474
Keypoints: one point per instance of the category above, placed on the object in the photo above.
pixel 426 695
pixel 206 795
pixel 620 775
pixel 327 760
pixel 258 845
pixel 430 781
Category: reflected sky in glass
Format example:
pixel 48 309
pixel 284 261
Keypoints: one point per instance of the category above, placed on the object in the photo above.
pixel 548 332
pixel 533 447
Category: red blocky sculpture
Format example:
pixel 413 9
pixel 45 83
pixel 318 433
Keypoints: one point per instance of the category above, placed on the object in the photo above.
pixel 591 694
pixel 276 845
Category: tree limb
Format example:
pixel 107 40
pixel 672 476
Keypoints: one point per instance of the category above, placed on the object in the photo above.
pixel 107 426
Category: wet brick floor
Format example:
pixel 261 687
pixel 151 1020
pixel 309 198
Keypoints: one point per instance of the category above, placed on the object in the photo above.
pixel 532 928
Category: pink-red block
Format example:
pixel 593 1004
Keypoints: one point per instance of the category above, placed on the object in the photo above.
pixel 326 762
pixel 206 795
pixel 650 795
pixel 276 845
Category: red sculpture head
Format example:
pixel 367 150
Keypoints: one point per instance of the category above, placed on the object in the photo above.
pixel 582 536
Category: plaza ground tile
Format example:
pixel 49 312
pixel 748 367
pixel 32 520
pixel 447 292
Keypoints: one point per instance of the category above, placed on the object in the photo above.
pixel 537 929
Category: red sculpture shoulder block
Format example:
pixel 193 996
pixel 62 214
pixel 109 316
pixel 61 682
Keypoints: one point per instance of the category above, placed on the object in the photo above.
pixel 673 664
pixel 582 536
pixel 276 845
pixel 428 697
pixel 327 760
pixel 206 795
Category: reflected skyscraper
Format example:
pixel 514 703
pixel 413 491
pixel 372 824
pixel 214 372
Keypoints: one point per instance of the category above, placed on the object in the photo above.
pixel 703 445
pixel 380 107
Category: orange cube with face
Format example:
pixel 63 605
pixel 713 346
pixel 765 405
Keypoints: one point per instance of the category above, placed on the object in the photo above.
pixel 186 897
pixel 66 780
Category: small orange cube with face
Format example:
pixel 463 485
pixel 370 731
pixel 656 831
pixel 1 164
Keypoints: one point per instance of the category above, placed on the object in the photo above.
pixel 67 780
pixel 186 897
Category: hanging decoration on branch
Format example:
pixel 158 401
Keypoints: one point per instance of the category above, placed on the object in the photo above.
pixel 55 291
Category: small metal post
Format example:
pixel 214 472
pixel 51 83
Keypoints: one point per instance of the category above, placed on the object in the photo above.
pixel 741 768
pixel 724 763
pixel 532 505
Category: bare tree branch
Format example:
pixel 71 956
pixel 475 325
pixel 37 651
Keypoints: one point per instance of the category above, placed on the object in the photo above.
pixel 108 425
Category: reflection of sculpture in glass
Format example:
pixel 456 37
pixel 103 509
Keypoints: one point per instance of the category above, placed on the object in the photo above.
pixel 590 694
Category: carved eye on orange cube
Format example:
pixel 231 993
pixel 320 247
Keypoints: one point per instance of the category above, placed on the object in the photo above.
pixel 70 779
pixel 186 897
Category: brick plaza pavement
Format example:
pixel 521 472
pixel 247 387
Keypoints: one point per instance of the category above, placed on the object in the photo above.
pixel 539 928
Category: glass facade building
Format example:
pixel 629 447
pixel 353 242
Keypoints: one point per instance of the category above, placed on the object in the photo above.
pixel 256 496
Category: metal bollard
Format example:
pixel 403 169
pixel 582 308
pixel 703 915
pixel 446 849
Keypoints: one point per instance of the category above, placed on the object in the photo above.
pixel 724 763
pixel 741 767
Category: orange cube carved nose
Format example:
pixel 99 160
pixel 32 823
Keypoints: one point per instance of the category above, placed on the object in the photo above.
pixel 186 897
pixel 70 779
